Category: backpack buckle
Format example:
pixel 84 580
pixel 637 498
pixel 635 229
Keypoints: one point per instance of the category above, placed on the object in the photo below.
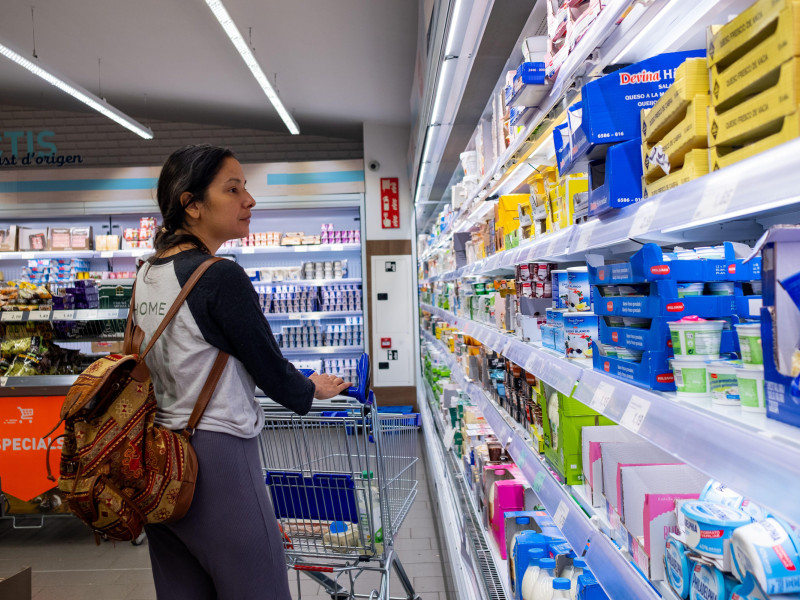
pixel 188 432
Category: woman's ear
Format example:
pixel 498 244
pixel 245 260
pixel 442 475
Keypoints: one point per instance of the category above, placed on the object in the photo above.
pixel 192 209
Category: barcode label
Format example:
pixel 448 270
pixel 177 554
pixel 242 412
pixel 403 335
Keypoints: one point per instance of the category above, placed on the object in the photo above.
pixel 678 372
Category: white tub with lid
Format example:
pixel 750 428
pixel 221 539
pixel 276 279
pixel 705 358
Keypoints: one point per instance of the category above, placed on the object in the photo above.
pixel 691 378
pixel 709 525
pixel 696 339
pixel 767 551
pixel 751 389
pixel 722 382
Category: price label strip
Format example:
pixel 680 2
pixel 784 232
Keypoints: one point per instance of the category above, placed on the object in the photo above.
pixel 248 250
pixel 107 254
pixel 12 316
pixel 538 481
pixel 602 396
pixel 39 315
pixel 717 196
pixel 645 215
pixel 635 414
pixel 560 517
pixel 585 232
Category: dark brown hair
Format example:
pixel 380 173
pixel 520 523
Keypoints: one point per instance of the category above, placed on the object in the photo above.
pixel 188 169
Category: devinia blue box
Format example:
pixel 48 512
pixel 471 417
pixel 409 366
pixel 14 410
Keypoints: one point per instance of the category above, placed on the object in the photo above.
pixel 612 104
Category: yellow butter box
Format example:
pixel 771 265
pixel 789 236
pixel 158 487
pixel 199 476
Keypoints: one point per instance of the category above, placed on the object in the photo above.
pixel 691 79
pixel 721 156
pixel 695 164
pixel 755 71
pixel 689 134
pixel 759 116
pixel 728 42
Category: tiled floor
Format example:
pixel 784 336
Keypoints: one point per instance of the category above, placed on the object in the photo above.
pixel 68 566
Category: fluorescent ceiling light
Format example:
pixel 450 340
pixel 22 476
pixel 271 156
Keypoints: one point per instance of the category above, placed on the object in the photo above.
pixel 79 93
pixel 230 28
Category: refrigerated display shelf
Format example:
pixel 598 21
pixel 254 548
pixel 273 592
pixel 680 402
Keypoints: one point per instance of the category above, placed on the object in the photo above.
pixel 306 316
pixel 89 314
pixel 322 350
pixel 613 569
pixel 291 249
pixel 746 451
pixel 312 282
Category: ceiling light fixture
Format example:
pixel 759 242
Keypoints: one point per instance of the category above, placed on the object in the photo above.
pixel 230 28
pixel 77 92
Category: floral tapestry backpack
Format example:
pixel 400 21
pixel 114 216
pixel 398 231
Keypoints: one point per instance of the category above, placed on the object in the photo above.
pixel 119 470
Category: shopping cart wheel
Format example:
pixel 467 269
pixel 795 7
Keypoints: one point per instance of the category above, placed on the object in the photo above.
pixel 340 596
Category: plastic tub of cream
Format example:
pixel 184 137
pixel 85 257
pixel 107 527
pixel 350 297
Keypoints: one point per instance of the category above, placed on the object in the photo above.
pixel 709 525
pixel 695 338
pixel 579 298
pixel 750 343
pixel 690 289
pixel 678 570
pixel 722 382
pixel 751 388
pixel 691 378
pixel 709 583
pixel 768 551
pixel 721 288
pixel 719 493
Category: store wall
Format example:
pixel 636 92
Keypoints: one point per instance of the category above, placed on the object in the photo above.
pixel 91 140
pixel 387 145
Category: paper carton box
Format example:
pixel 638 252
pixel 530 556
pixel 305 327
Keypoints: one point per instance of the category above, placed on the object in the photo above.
pixel 8 238
pixel 636 453
pixel 33 238
pixel 592 439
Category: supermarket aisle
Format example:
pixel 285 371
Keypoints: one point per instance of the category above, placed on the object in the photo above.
pixel 68 566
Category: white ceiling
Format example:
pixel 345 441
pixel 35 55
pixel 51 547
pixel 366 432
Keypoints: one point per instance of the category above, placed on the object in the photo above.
pixel 338 62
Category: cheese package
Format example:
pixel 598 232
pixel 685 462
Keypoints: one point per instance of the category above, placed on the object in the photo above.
pixel 695 164
pixel 729 42
pixel 667 154
pixel 691 79
pixel 761 115
pixel 721 156
pixel 8 238
pixel 755 71
pixel 33 238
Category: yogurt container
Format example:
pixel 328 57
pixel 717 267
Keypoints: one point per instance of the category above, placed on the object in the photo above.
pixel 677 566
pixel 751 389
pixel 560 288
pixel 691 378
pixel 709 525
pixel 721 288
pixel 690 289
pixel 695 338
pixel 579 291
pixel 750 343
pixel 579 331
pixel 769 553
pixel 709 583
pixel 748 590
pixel 722 382
pixel 756 511
pixel 719 493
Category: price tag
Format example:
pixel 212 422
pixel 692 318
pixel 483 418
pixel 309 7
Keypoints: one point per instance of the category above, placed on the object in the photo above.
pixel 449 436
pixel 248 250
pixel 645 215
pixel 585 235
pixel 296 317
pixel 87 314
pixel 108 313
pixel 28 255
pixel 658 157
pixel 635 413
pixel 561 514
pixel 602 395
pixel 12 316
pixel 538 481
pixel 337 247
pixel 717 196
pixel 3 381
pixel 314 248
pixel 301 248
pixel 39 315
pixel 107 254
pixel 551 247
pixel 63 315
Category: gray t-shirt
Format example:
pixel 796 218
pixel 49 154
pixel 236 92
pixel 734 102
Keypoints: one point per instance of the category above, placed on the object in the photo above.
pixel 221 313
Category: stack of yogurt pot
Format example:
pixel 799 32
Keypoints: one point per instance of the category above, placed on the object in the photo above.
pixel 695 343
pixel 750 374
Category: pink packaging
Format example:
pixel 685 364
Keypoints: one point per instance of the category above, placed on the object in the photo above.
pixel 506 496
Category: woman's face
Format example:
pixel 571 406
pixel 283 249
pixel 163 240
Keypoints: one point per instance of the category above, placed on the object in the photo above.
pixel 225 213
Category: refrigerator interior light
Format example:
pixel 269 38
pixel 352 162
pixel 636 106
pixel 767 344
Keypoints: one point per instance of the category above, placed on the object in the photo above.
pixel 221 13
pixel 78 92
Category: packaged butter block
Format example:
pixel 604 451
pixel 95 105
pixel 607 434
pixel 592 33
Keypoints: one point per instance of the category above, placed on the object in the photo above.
pixel 729 42
pixel 757 69
pixel 759 116
pixel 690 134
pixel 691 79
pixel 721 156
pixel 695 164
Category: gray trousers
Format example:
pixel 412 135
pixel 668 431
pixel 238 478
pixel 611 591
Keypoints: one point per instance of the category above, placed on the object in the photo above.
pixel 228 546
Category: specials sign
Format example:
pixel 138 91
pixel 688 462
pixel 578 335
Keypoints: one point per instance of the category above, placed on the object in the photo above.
pixel 390 203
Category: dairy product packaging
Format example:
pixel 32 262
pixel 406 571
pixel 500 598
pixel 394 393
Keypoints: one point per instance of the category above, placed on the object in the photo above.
pixel 768 550
pixel 518 553
pixel 616 181
pixel 636 453
pixel 518 522
pixel 709 583
pixel 749 590
pixel 750 382
pixel 592 440
pixel 678 568
pixel 691 378
pixel 709 526
pixel 580 329
pixel 722 382
pixel 589 588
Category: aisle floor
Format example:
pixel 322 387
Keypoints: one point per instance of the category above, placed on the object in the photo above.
pixel 67 565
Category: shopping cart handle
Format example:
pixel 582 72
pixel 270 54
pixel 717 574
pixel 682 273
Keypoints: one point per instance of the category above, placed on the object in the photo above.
pixel 362 391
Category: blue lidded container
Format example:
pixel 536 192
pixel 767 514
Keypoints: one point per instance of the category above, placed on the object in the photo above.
pixel 709 525
pixel 708 583
pixel 679 572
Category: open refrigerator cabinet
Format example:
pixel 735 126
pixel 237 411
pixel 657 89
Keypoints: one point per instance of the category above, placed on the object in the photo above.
pixel 755 455
pixel 325 331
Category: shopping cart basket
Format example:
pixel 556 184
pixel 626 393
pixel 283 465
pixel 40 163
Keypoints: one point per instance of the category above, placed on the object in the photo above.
pixel 342 480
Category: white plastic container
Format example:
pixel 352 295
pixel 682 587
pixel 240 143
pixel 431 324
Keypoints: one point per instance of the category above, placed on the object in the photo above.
pixel 531 573
pixel 722 382
pixel 768 551
pixel 469 161
pixel 691 378
pixel 749 335
pixel 543 589
pixel 696 339
pixel 560 288
pixel 561 589
pixel 572 573
pixel 751 389
pixel 342 537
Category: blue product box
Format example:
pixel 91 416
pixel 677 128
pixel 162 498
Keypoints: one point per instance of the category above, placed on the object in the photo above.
pixel 548 336
pixel 589 588
pixel 617 181
pixel 656 338
pixel 652 372
pixel 651 264
pixel 529 73
pixel 560 548
pixel 662 301
pixel 580 329
pixel 525 541
pixel 516 114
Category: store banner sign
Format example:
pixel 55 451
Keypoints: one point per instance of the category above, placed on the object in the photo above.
pixel 390 203
pixel 33 148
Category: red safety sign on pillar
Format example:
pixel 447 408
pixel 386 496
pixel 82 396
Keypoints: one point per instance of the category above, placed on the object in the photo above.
pixel 390 203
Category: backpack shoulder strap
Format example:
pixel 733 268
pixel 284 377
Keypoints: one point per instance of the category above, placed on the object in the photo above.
pixel 205 394
pixel 173 310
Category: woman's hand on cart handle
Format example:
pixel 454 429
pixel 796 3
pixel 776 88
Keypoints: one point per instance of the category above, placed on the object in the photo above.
pixel 328 386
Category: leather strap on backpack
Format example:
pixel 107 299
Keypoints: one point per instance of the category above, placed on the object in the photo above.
pixel 205 394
